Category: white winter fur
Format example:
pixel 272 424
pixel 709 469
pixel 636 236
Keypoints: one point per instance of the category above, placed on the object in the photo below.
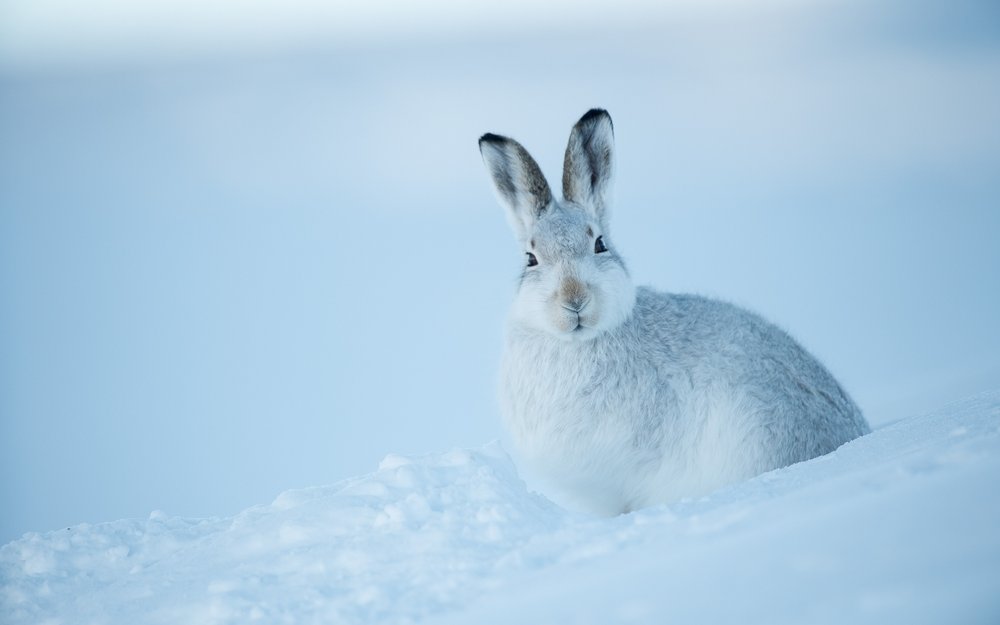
pixel 627 397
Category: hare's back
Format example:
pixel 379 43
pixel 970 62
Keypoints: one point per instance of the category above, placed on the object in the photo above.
pixel 782 390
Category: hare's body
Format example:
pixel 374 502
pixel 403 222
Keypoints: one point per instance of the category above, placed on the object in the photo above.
pixel 627 397
pixel 686 395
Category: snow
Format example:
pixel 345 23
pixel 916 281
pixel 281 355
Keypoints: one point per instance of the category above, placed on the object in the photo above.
pixel 899 526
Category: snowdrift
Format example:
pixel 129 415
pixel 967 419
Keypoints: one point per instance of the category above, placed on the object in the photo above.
pixel 900 526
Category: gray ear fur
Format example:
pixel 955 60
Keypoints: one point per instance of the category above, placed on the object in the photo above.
pixel 589 165
pixel 518 181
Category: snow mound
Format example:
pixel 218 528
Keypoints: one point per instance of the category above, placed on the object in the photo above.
pixel 898 526
pixel 405 540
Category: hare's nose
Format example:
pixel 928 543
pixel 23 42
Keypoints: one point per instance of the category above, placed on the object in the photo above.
pixel 573 295
pixel 576 304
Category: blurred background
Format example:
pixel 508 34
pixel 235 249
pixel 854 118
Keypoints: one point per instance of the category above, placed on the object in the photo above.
pixel 250 246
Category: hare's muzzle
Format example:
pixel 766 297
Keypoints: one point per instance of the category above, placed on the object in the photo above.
pixel 573 294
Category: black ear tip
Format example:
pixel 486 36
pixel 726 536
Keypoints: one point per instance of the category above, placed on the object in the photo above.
pixel 594 114
pixel 491 138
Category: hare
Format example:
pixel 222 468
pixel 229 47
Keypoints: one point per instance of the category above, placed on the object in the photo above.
pixel 625 397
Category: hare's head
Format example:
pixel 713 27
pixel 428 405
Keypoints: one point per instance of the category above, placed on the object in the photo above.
pixel 574 284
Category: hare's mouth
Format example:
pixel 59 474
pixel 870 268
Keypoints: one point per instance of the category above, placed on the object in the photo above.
pixel 576 325
pixel 582 332
pixel 573 325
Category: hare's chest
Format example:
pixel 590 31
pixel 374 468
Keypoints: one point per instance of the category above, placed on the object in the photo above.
pixel 556 397
pixel 577 424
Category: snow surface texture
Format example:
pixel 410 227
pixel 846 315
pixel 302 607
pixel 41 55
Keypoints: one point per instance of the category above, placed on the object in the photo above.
pixel 899 526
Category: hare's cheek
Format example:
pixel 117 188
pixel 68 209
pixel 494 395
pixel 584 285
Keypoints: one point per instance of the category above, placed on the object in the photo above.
pixel 617 296
pixel 621 303
pixel 530 308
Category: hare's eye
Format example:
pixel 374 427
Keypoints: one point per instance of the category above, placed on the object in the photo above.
pixel 532 261
pixel 599 245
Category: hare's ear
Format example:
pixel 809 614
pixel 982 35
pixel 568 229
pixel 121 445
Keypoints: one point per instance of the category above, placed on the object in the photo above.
pixel 519 182
pixel 589 164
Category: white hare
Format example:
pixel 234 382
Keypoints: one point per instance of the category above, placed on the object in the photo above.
pixel 626 397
